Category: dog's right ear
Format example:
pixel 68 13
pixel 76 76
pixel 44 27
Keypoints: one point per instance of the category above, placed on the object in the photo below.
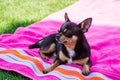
pixel 66 18
pixel 84 25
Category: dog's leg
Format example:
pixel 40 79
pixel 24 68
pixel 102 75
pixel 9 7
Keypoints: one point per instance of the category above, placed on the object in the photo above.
pixel 43 55
pixel 86 63
pixel 52 67
pixel 85 70
pixel 86 66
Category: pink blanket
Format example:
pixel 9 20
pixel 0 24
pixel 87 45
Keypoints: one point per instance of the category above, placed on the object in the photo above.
pixel 104 42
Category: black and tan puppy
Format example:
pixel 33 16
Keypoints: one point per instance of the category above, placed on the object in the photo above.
pixel 72 46
pixel 46 45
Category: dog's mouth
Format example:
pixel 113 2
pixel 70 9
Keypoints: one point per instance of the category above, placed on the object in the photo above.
pixel 63 41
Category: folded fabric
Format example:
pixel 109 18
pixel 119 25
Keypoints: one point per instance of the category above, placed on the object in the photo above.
pixel 104 42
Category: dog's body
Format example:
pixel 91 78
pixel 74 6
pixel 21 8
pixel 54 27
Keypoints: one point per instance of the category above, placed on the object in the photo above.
pixel 71 45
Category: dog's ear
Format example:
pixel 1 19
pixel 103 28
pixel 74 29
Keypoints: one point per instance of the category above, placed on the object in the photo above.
pixel 66 18
pixel 84 25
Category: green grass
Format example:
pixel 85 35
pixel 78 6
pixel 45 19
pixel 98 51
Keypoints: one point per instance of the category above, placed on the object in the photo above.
pixel 10 75
pixel 16 13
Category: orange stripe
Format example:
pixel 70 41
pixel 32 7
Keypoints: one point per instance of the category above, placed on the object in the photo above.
pixel 70 73
pixel 76 74
pixel 95 78
pixel 40 66
pixel 16 53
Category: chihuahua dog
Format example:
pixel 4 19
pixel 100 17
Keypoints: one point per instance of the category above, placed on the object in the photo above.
pixel 71 45
pixel 46 45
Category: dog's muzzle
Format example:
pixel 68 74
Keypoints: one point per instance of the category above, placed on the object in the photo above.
pixel 58 37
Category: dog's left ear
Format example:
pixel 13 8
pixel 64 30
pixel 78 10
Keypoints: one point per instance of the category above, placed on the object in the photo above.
pixel 84 25
pixel 66 18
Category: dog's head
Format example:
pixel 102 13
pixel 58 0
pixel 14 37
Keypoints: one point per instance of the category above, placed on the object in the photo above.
pixel 70 31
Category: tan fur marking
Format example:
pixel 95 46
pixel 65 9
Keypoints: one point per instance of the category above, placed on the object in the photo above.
pixel 81 61
pixel 43 55
pixel 85 68
pixel 62 38
pixel 70 42
pixel 63 57
pixel 51 49
pixel 43 52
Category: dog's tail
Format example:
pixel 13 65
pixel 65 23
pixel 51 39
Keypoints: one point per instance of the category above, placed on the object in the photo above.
pixel 36 45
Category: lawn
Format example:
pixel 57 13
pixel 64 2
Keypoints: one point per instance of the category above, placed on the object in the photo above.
pixel 16 13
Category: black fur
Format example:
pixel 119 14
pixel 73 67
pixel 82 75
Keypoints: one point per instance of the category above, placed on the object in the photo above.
pixel 81 49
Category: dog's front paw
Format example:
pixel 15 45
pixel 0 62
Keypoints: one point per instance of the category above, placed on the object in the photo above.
pixel 85 70
pixel 45 71
pixel 86 73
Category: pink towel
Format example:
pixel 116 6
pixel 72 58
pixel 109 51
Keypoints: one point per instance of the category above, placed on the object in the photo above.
pixel 104 42
pixel 103 36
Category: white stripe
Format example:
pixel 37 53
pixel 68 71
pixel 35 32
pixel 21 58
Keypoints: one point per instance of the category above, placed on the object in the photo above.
pixel 17 49
pixel 98 74
pixel 13 59
pixel 67 77
pixel 62 76
pixel 93 74
pixel 70 68
pixel 25 54
pixel 21 51
pixel 2 48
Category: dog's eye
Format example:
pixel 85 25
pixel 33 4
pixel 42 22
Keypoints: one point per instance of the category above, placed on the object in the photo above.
pixel 65 30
